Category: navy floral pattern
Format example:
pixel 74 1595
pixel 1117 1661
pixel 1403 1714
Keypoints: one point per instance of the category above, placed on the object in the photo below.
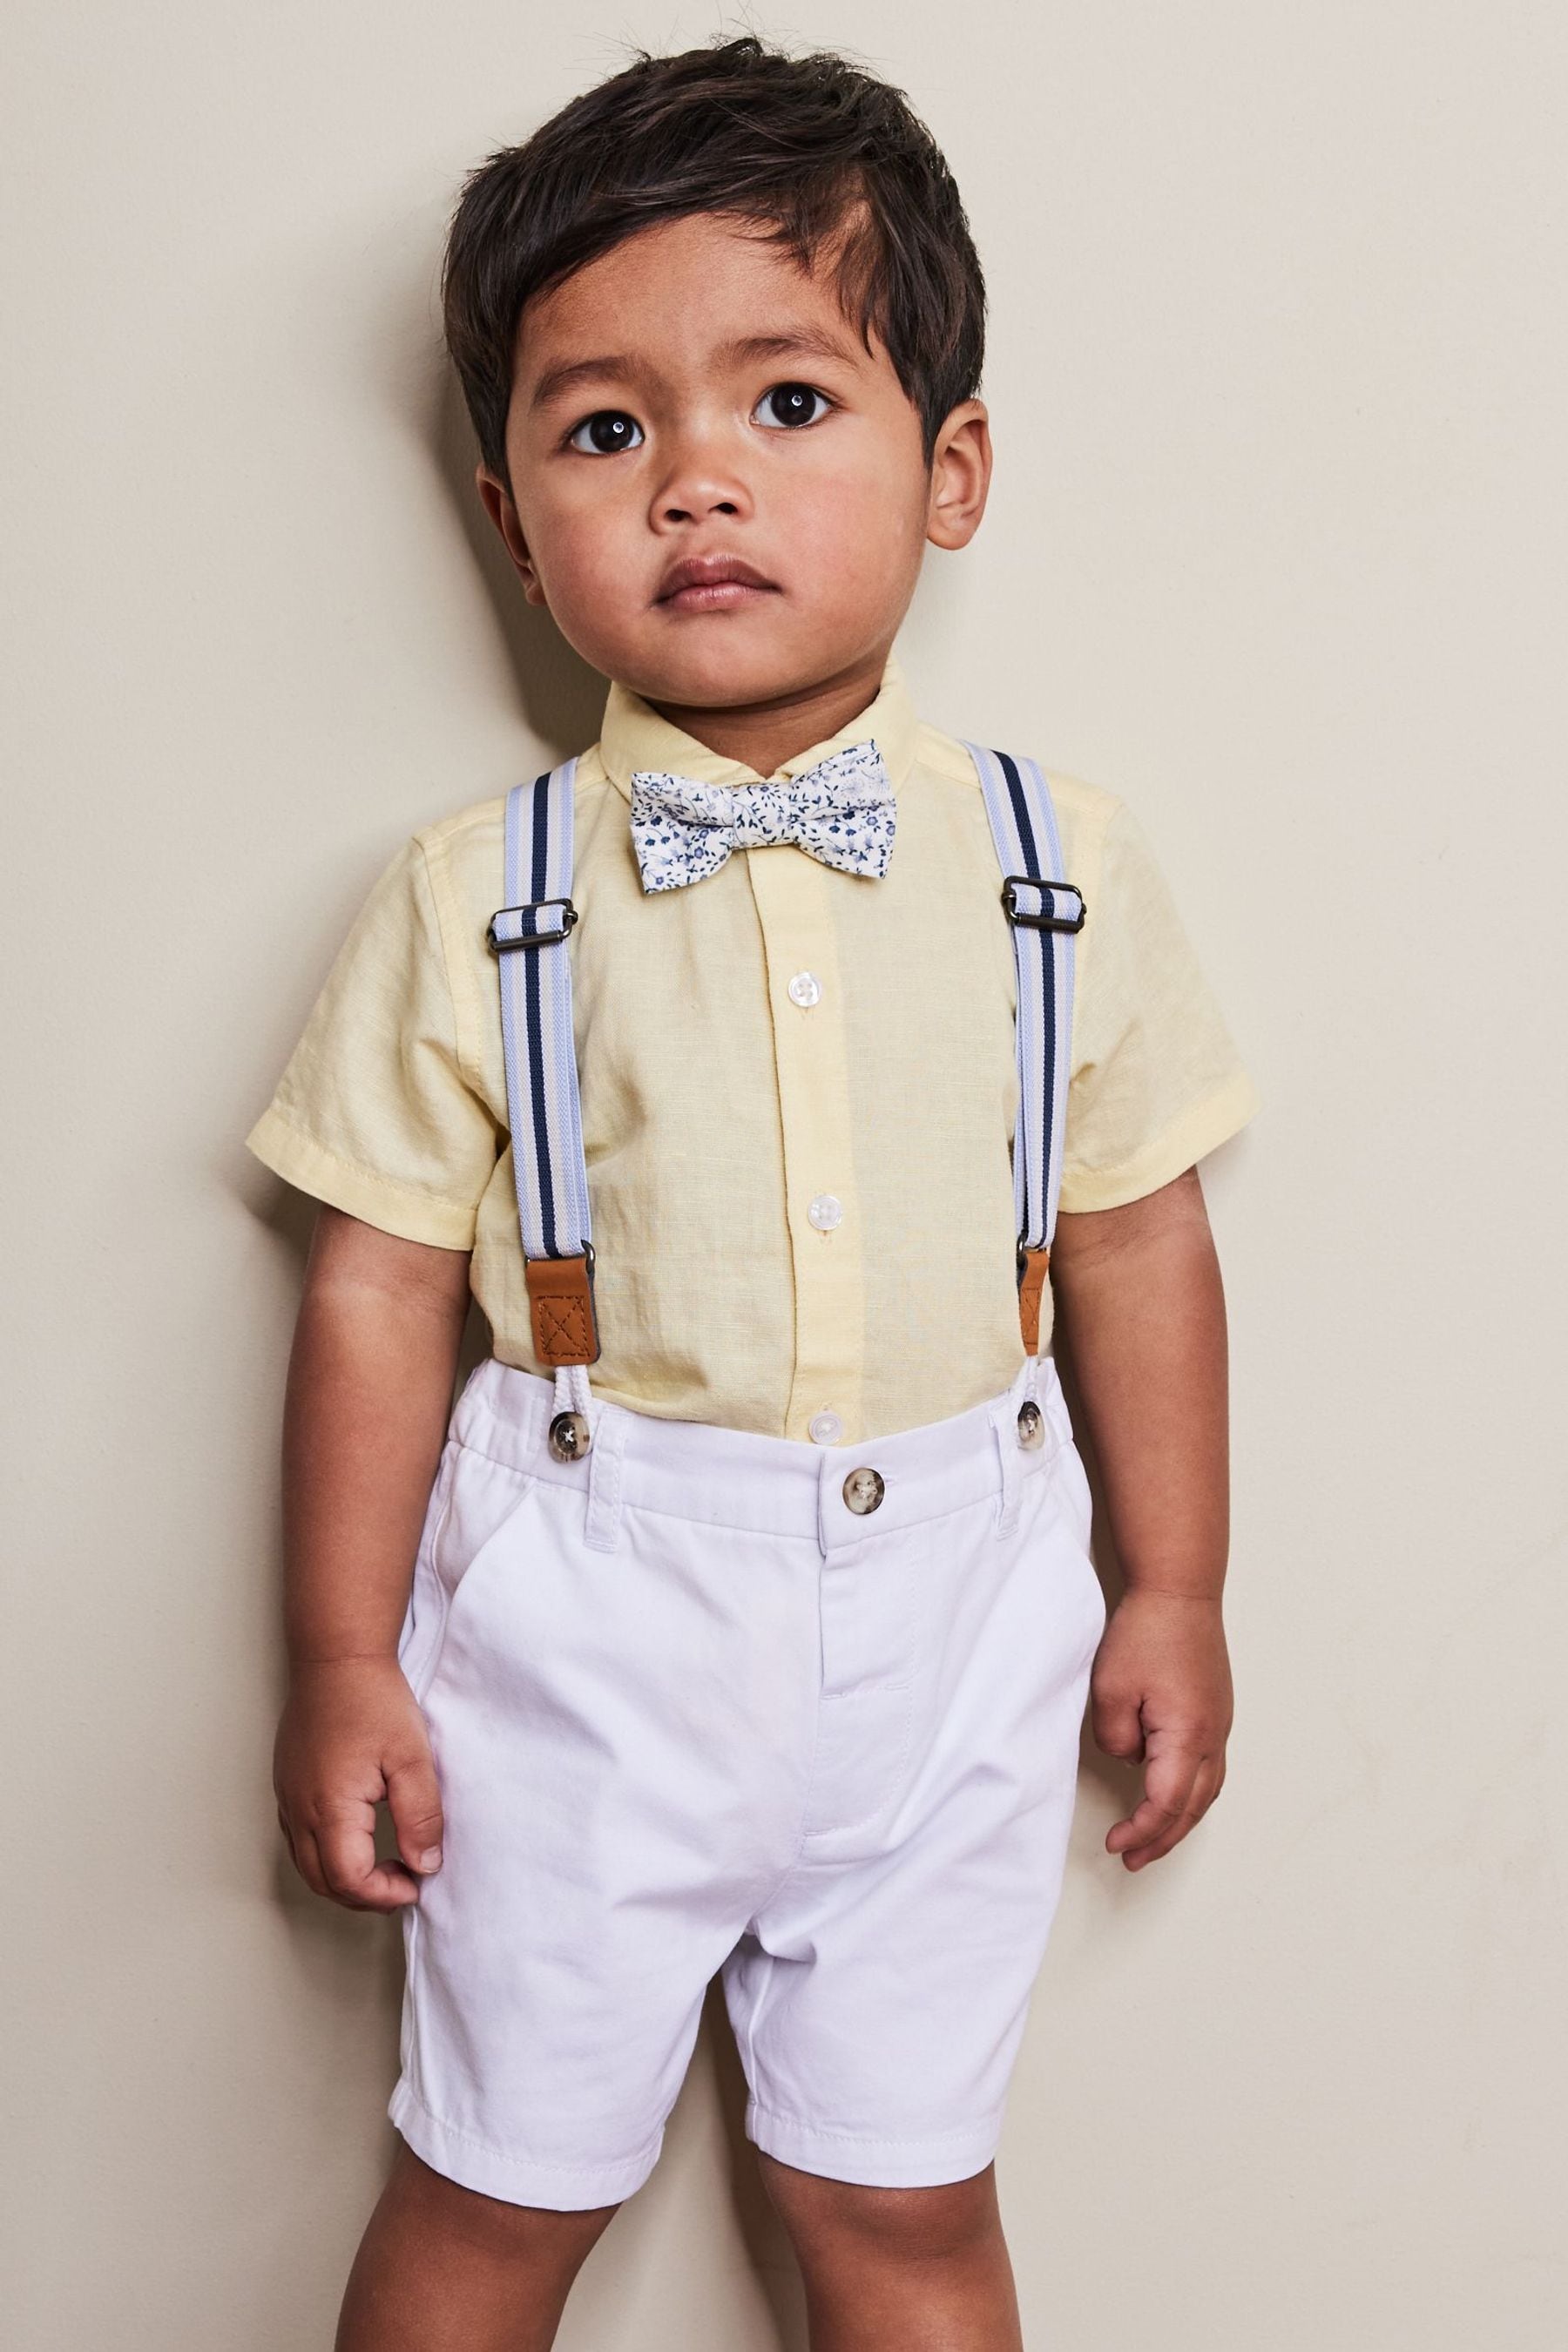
pixel 842 811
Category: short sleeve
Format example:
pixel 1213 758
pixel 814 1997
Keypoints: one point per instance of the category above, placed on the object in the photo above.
pixel 1156 1079
pixel 375 1111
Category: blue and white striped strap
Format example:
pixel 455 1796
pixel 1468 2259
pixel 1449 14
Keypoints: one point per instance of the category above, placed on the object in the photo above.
pixel 1046 914
pixel 542 1105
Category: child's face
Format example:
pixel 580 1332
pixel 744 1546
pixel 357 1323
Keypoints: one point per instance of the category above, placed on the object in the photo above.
pixel 654 425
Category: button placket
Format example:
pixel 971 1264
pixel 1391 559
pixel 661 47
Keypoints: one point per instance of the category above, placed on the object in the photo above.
pixel 793 895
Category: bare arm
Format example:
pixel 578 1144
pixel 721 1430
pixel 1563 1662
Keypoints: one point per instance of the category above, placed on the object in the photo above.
pixel 1142 1303
pixel 365 1413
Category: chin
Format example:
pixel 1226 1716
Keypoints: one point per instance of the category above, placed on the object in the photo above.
pixel 720 678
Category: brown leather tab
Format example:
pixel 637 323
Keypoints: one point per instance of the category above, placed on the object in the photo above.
pixel 565 1330
pixel 1033 1265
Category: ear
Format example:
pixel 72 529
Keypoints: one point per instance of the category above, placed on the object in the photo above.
pixel 497 501
pixel 960 476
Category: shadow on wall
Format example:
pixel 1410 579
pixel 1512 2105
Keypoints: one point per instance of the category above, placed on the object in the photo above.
pixel 1116 1786
pixel 563 699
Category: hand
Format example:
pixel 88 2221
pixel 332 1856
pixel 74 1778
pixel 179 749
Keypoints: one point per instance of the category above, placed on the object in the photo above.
pixel 1161 1697
pixel 351 1733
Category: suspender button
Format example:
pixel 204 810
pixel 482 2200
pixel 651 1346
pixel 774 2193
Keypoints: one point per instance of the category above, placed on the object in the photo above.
pixel 569 1437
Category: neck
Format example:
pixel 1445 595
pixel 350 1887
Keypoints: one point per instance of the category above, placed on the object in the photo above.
pixel 763 735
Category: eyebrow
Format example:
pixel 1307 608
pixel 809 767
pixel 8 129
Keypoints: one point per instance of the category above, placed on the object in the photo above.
pixel 572 372
pixel 813 341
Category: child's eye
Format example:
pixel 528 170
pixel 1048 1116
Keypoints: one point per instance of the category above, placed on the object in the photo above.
pixel 791 403
pixel 607 430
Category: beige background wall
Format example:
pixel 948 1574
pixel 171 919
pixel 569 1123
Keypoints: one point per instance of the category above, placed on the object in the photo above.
pixel 1276 551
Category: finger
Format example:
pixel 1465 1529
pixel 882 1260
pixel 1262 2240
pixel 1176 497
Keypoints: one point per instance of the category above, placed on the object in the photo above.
pixel 370 1895
pixel 413 1798
pixel 308 1862
pixel 1118 1722
pixel 1204 1791
pixel 1197 1804
pixel 1169 1772
pixel 288 1836
pixel 1144 1855
pixel 1167 1785
pixel 346 1843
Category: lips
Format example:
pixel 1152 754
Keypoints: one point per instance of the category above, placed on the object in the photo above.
pixel 711 583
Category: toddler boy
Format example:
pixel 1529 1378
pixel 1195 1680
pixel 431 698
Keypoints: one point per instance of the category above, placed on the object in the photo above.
pixel 739 1619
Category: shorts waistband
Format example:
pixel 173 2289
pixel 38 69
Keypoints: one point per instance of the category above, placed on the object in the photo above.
pixel 711 1474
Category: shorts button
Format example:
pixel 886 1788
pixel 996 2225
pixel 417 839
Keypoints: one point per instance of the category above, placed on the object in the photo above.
pixel 569 1436
pixel 1031 1424
pixel 825 1426
pixel 863 1490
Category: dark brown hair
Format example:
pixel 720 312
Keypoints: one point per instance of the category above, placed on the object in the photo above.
pixel 817 155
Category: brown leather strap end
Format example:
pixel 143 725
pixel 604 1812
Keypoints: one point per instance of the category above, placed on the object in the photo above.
pixel 1033 1267
pixel 565 1330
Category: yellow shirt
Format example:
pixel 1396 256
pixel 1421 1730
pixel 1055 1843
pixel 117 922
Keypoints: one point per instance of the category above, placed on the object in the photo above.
pixel 717 1107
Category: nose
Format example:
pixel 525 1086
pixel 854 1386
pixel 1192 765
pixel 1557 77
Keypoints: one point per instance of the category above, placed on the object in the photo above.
pixel 703 480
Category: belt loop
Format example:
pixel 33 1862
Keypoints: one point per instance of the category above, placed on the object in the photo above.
pixel 602 1526
pixel 1046 1387
pixel 1004 1429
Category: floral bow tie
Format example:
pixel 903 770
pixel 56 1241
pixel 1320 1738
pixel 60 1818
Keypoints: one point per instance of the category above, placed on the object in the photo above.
pixel 842 811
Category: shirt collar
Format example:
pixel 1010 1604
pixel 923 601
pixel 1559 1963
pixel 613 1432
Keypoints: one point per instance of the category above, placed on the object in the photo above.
pixel 635 736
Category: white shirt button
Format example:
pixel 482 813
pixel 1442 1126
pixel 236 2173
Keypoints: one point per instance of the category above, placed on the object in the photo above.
pixel 805 988
pixel 825 1427
pixel 825 1211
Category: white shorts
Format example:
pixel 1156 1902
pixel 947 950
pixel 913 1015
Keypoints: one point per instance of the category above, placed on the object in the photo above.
pixel 693 1713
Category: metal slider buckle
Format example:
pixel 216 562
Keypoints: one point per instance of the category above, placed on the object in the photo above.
pixel 1053 921
pixel 530 938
